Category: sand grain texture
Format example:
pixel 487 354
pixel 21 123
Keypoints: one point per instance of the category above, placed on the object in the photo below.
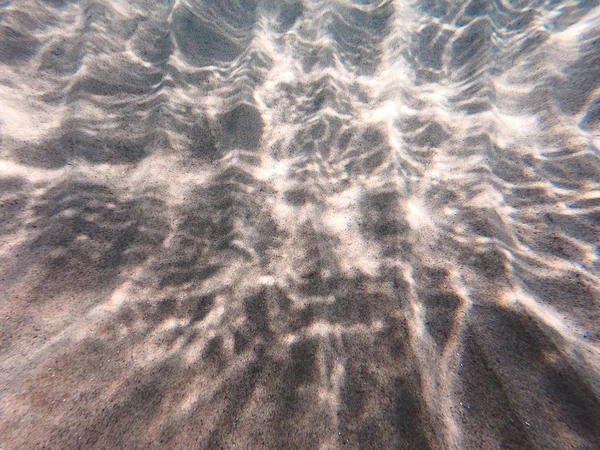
pixel 299 224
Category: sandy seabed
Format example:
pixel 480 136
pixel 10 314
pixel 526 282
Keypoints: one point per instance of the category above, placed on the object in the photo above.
pixel 300 224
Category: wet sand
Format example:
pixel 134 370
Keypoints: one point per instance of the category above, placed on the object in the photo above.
pixel 299 224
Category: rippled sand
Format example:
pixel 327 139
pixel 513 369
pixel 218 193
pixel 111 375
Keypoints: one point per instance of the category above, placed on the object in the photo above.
pixel 299 224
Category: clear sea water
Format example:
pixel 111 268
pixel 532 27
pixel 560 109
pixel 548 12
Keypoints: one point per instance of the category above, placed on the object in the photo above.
pixel 294 224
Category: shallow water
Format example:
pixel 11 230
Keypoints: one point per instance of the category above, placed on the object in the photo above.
pixel 300 224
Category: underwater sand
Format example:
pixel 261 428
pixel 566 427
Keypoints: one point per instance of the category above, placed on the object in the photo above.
pixel 300 224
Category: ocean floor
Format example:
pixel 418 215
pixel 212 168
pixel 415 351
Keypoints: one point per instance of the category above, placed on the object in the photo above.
pixel 300 224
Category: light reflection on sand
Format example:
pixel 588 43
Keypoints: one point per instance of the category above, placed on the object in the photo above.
pixel 299 224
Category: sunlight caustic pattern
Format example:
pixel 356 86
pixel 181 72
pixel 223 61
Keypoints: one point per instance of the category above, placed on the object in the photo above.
pixel 300 224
